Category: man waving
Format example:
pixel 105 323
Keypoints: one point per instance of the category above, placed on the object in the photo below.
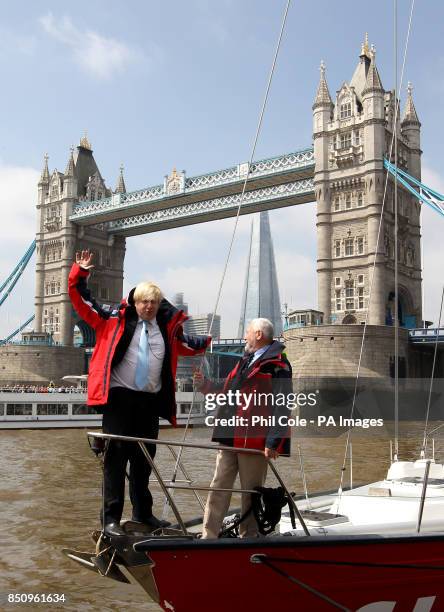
pixel 132 374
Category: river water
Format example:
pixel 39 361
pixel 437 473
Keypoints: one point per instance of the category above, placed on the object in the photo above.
pixel 50 499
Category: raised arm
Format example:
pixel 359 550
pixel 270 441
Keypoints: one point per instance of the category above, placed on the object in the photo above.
pixel 83 302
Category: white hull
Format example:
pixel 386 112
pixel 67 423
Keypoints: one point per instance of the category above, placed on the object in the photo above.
pixel 388 507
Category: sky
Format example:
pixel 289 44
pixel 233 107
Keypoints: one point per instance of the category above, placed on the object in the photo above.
pixel 180 84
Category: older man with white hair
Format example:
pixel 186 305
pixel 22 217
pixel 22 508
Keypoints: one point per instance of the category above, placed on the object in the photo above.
pixel 264 369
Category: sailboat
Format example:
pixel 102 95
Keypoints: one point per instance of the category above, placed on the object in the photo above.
pixel 373 548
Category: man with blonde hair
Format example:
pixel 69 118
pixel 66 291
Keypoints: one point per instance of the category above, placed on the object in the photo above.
pixel 132 375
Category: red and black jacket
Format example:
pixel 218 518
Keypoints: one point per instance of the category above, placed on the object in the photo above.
pixel 270 373
pixel 114 330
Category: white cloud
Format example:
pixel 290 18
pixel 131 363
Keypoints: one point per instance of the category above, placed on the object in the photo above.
pixel 99 56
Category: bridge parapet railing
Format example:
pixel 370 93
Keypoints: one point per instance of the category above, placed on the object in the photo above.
pixel 427 333
pixel 289 161
pixel 276 192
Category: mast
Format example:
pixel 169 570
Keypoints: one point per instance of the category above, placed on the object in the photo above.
pixel 395 42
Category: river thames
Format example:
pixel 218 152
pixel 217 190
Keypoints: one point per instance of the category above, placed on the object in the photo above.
pixel 50 499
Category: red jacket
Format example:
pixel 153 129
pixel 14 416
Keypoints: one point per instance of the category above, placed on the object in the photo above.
pixel 114 330
pixel 270 374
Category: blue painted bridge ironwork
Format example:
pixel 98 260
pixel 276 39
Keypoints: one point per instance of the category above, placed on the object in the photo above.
pixel 280 181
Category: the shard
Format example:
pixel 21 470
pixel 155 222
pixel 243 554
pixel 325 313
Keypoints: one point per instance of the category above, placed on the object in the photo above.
pixel 261 291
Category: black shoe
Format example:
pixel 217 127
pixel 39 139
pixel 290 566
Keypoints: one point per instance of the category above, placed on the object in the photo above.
pixel 113 530
pixel 153 523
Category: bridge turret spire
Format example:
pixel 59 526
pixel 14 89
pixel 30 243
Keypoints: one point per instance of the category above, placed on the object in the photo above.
pixel 323 97
pixel 365 48
pixel 70 167
pixel 84 142
pixel 44 177
pixel 410 114
pixel 373 81
pixel 120 187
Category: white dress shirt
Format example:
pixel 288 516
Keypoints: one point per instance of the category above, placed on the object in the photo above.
pixel 123 375
pixel 259 352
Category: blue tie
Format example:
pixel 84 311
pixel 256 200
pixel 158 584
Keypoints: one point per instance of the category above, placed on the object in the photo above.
pixel 142 358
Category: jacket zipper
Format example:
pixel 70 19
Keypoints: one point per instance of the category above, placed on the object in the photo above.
pixel 265 361
pixel 109 355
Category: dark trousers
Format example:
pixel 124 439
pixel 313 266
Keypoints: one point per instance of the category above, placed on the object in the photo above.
pixel 128 413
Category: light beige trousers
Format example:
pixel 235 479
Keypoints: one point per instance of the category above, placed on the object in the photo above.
pixel 252 470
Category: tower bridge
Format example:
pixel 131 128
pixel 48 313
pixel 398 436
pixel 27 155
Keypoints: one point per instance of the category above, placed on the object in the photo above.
pixel 345 173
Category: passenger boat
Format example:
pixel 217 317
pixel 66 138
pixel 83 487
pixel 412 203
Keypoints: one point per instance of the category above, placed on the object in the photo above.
pixel 24 407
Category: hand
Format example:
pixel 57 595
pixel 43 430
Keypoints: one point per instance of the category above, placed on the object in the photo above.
pixel 84 259
pixel 270 453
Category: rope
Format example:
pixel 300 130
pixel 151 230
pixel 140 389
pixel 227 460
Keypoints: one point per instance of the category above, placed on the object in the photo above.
pixel 230 247
pixel 349 432
pixel 264 560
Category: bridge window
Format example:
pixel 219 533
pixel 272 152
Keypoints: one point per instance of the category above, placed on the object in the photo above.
pixel 349 295
pixel 345 110
pixel 345 140
pixel 360 279
pixel 360 245
pixel 337 281
pixel 357 138
pixel 360 199
pixel 337 204
pixel 348 201
pixel 337 248
pixel 361 297
pixel 338 300
pixel 349 246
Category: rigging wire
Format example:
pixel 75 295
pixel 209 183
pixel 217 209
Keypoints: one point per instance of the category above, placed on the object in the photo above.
pixel 424 442
pixel 233 235
pixel 372 276
pixel 395 132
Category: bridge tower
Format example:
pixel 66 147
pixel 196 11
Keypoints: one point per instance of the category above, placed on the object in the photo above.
pixel 352 135
pixel 57 240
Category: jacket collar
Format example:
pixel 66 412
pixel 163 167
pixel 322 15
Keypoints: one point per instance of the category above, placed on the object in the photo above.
pixel 274 350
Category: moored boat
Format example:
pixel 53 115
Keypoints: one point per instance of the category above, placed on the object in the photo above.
pixel 378 547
